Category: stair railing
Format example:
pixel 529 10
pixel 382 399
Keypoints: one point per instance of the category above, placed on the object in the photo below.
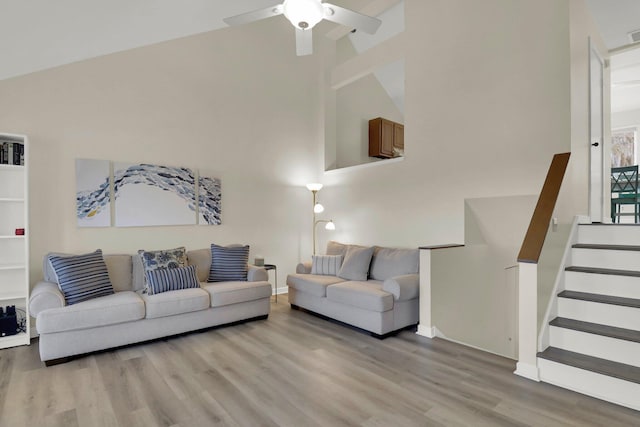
pixel 528 268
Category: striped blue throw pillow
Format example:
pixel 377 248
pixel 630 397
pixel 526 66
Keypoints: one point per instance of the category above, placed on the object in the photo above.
pixel 171 279
pixel 82 277
pixel 229 263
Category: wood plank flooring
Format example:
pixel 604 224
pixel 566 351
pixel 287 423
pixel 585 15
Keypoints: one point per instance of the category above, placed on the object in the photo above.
pixel 293 369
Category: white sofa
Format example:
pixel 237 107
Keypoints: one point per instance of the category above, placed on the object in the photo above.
pixel 384 301
pixel 128 316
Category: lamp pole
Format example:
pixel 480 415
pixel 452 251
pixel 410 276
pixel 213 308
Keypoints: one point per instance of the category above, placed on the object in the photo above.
pixel 314 221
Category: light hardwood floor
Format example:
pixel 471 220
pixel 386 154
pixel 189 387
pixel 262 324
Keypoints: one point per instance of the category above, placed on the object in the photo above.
pixel 293 369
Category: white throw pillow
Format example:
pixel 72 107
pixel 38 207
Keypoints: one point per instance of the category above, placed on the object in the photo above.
pixel 326 265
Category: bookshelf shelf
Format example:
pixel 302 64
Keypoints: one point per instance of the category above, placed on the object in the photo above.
pixel 14 250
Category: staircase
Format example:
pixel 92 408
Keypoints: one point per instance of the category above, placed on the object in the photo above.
pixel 594 340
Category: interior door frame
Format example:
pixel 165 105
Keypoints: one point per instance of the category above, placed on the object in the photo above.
pixel 599 192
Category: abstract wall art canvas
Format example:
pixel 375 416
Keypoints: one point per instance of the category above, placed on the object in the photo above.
pixel 93 206
pixel 209 201
pixel 147 195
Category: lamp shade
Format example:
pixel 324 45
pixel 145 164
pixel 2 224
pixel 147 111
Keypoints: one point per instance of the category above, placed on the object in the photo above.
pixel 314 187
pixel 330 226
pixel 303 14
pixel 318 208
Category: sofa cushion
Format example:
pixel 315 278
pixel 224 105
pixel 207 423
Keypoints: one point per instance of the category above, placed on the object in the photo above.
pixel 228 263
pixel 171 279
pixel 327 265
pixel 366 295
pixel 390 262
pixel 120 271
pixel 82 277
pixel 311 283
pixel 176 302
pixel 337 248
pixel 227 293
pixel 120 307
pixel 356 263
pixel 201 258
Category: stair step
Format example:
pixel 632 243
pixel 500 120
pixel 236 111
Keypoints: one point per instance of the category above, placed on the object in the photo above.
pixel 620 283
pixel 610 271
pixel 622 234
pixel 606 247
pixel 593 364
pixel 603 299
pixel 615 257
pixel 597 329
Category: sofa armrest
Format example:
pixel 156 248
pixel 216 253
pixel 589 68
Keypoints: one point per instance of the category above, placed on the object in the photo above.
pixel 257 274
pixel 304 268
pixel 403 287
pixel 45 295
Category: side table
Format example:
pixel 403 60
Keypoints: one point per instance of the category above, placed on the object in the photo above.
pixel 275 270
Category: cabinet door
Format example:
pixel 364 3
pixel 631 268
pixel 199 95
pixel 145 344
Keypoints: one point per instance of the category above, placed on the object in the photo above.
pixel 380 138
pixel 398 136
pixel 387 133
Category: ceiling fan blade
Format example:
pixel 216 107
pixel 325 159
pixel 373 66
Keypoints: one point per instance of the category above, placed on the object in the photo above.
pixel 352 19
pixel 304 42
pixel 256 15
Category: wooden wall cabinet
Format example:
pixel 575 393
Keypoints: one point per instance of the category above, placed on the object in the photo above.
pixel 384 136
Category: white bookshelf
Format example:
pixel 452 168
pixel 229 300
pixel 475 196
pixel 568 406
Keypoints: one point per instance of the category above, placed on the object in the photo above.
pixel 14 249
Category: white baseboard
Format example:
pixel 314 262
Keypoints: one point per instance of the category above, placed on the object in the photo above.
pixel 440 334
pixel 426 331
pixel 280 291
pixel 527 370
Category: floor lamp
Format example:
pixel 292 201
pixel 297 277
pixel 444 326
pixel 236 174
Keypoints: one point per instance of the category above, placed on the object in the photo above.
pixel 318 208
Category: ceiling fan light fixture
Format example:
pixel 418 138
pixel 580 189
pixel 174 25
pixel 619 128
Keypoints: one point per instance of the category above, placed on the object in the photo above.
pixel 303 14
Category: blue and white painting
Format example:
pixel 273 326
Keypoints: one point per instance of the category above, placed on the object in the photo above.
pixel 147 195
pixel 209 201
pixel 93 205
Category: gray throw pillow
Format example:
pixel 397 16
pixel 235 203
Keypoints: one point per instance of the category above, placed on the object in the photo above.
pixel 356 263
pixel 392 262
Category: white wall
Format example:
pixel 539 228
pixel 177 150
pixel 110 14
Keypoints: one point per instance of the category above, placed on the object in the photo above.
pixel 488 103
pixel 473 288
pixel 487 106
pixel 625 119
pixel 236 104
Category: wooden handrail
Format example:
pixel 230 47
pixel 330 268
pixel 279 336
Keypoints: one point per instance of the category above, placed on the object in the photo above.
pixel 541 218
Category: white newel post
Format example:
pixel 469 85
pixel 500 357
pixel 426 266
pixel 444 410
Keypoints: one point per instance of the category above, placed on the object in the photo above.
pixel 527 321
pixel 425 328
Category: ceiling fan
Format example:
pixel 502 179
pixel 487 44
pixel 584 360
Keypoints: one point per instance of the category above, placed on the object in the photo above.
pixel 304 14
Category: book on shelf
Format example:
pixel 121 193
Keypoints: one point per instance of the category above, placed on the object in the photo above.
pixel 11 153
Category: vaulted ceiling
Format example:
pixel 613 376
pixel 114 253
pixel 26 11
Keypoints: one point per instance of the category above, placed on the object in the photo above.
pixel 40 34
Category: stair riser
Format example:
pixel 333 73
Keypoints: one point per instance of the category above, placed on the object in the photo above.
pixel 604 314
pixel 614 390
pixel 609 235
pixel 627 352
pixel 604 284
pixel 599 258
